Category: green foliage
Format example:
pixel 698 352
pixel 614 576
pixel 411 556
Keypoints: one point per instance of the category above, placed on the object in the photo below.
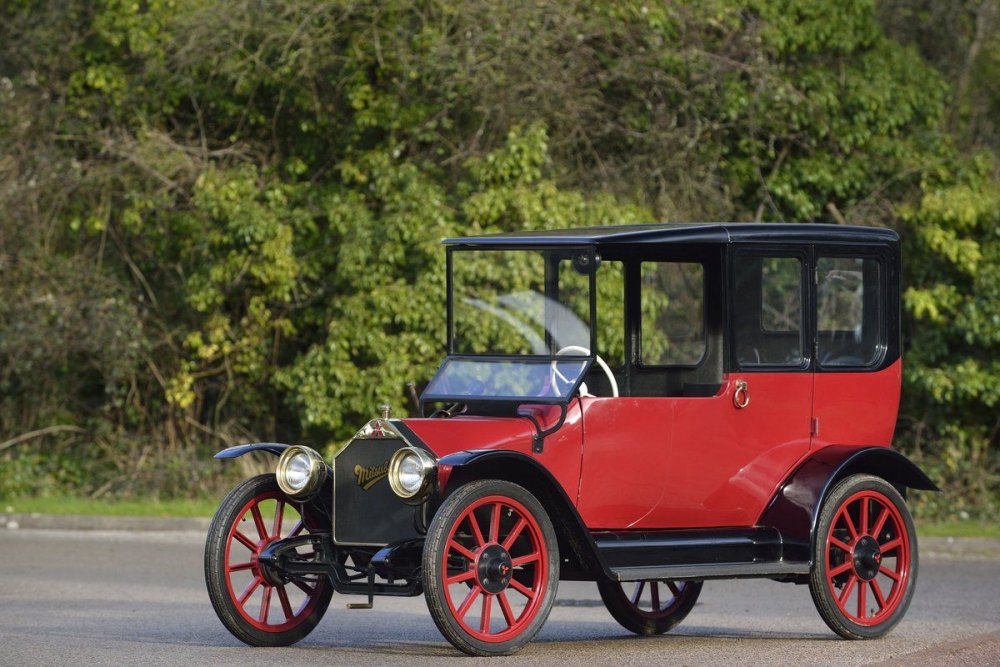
pixel 221 221
pixel 388 326
pixel 952 371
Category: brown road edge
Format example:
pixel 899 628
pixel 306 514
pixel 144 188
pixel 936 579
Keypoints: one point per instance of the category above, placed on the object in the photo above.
pixel 969 651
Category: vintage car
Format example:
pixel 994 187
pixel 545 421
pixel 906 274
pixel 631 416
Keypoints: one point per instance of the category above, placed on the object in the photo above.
pixel 646 407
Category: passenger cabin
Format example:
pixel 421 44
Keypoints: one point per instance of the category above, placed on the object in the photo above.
pixel 715 359
pixel 680 306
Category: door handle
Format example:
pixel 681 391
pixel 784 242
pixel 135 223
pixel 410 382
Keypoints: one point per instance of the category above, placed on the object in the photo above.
pixel 741 397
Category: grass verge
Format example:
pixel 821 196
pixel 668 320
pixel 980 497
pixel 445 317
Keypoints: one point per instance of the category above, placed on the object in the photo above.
pixel 967 528
pixel 181 507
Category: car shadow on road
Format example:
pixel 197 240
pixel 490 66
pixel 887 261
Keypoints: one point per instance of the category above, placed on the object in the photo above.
pixel 574 632
pixel 407 636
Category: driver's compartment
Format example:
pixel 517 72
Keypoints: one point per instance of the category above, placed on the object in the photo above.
pixel 540 324
pixel 660 321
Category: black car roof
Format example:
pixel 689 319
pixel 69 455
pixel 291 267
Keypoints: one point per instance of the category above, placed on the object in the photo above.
pixel 693 232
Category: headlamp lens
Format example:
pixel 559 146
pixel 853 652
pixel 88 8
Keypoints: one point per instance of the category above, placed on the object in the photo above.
pixel 297 471
pixel 411 473
pixel 300 471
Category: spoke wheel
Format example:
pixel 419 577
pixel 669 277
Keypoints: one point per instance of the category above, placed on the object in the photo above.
pixel 649 607
pixel 256 606
pixel 865 558
pixel 491 567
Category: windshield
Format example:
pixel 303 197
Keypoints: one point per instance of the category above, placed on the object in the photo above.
pixel 521 302
pixel 520 325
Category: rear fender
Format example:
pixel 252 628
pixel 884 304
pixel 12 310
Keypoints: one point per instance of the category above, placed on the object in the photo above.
pixel 794 509
pixel 580 559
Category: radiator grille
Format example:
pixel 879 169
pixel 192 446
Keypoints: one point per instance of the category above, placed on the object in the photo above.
pixel 365 510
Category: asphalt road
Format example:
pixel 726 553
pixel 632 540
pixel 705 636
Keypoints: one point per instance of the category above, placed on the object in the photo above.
pixel 104 598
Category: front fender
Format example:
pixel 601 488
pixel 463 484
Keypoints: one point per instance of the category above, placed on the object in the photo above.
pixel 794 509
pixel 576 544
pixel 237 451
pixel 460 467
pixel 317 509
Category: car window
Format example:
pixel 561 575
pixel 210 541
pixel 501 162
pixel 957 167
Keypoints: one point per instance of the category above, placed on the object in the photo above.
pixel 848 310
pixel 781 295
pixel 673 314
pixel 768 310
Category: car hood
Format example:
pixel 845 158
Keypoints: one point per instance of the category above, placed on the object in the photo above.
pixel 446 436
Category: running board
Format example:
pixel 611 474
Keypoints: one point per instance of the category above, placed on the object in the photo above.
pixel 713 553
pixel 711 571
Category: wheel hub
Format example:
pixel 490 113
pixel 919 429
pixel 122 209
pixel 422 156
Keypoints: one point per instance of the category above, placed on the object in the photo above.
pixel 867 558
pixel 494 568
pixel 265 567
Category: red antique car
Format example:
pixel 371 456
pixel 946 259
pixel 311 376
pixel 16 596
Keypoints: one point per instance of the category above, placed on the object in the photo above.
pixel 646 407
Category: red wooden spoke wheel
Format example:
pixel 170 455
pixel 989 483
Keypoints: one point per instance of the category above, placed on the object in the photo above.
pixel 649 607
pixel 254 604
pixel 491 567
pixel 866 559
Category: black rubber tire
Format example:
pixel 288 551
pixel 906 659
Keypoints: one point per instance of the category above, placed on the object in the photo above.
pixel 823 598
pixel 644 623
pixel 215 576
pixel 435 544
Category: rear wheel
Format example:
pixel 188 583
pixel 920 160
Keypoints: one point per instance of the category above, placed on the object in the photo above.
pixel 256 610
pixel 491 567
pixel 865 558
pixel 649 607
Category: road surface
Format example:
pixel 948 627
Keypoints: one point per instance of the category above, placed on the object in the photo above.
pixel 127 598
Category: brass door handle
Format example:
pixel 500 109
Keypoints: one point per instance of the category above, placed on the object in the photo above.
pixel 741 397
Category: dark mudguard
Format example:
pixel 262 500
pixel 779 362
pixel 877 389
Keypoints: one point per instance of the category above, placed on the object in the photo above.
pixel 236 451
pixel 795 508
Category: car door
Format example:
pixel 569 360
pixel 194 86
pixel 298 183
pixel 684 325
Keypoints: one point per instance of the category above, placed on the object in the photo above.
pixel 674 320
pixel 858 369
pixel 624 439
pixel 729 453
pixel 694 446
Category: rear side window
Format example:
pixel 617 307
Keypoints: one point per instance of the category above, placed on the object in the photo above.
pixel 767 317
pixel 848 311
pixel 673 314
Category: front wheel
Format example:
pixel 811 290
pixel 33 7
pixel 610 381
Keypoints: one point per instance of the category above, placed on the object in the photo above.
pixel 491 567
pixel 650 607
pixel 251 605
pixel 864 559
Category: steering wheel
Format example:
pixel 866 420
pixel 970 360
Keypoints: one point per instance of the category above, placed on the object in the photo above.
pixel 557 377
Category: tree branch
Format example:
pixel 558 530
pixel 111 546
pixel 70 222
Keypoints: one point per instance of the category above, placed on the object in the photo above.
pixel 48 430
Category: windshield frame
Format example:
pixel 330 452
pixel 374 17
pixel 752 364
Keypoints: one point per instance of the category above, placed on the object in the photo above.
pixel 569 250
pixel 513 401
pixel 507 358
